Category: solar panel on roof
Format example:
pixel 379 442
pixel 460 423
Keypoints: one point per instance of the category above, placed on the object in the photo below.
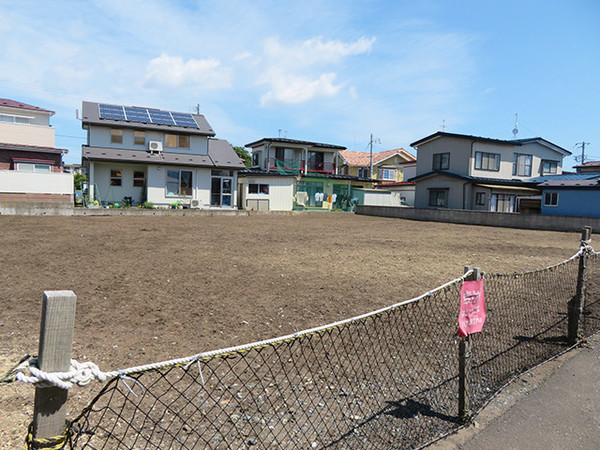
pixel 137 114
pixel 143 115
pixel 184 120
pixel 111 112
pixel 162 117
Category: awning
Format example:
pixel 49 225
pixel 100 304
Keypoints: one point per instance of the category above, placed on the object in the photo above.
pixel 507 188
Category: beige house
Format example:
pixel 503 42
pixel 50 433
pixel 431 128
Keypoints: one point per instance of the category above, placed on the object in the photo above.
pixel 31 168
pixel 390 166
pixel 469 172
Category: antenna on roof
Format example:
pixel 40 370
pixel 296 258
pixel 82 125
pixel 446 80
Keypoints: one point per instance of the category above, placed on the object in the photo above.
pixel 516 128
pixel 198 108
pixel 443 124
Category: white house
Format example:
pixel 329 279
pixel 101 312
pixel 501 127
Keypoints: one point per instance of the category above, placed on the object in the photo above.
pixel 150 155
pixel 31 167
pixel 470 172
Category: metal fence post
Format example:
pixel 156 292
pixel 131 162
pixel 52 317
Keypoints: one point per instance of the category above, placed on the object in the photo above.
pixel 575 307
pixel 56 341
pixel 465 348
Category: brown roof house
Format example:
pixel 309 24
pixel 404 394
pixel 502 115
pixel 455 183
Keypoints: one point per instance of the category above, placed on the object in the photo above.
pixel 136 155
pixel 31 167
pixel 387 167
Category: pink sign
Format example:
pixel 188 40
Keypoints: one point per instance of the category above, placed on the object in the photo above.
pixel 471 316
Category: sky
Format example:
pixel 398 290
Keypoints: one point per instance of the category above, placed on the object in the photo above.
pixel 335 71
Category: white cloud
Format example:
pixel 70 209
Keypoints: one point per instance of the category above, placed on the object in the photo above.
pixel 173 71
pixel 294 72
pixel 289 88
pixel 242 56
pixel 314 51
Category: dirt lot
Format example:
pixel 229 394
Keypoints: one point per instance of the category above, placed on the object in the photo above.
pixel 155 288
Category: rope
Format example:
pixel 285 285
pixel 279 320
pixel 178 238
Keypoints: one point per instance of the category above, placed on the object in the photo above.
pixel 10 375
pixel 83 373
pixel 79 373
pixel 53 443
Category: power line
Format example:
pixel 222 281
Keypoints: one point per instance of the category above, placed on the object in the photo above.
pixel 581 145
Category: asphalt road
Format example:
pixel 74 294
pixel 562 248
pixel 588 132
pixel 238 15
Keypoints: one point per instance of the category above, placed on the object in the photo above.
pixel 561 412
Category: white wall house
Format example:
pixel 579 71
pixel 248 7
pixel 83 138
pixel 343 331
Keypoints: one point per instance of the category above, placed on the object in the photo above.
pixel 469 172
pixel 162 157
pixel 30 166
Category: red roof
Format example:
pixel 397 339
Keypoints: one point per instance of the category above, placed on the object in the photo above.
pixel 19 105
pixel 353 158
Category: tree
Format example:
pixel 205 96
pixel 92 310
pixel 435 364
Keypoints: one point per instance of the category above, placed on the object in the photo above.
pixel 78 179
pixel 244 154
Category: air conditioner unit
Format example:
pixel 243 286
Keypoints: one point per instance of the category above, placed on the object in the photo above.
pixel 155 146
pixel 195 203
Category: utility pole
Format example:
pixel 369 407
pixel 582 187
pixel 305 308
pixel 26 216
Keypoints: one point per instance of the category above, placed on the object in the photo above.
pixel 582 145
pixel 371 140
pixel 371 155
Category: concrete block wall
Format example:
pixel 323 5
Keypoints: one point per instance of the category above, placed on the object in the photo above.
pixel 494 219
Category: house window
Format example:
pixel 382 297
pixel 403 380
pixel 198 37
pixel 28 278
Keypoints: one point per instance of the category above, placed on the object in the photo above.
pixel 255 159
pixel 280 154
pixel 487 161
pixel 115 177
pixel 363 172
pixel 179 182
pixel 138 179
pixel 175 140
pixel 441 161
pixel 15 119
pixel 116 136
pixel 254 188
pixel 139 138
pixel 480 198
pixel 551 199
pixel 183 141
pixel 387 174
pixel 39 168
pixel 438 198
pixel 522 165
pixel 549 167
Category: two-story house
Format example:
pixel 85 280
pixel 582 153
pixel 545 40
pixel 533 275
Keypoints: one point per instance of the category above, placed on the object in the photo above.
pixel 137 155
pixel 30 165
pixel 291 155
pixel 289 174
pixel 470 172
pixel 27 139
pixel 388 166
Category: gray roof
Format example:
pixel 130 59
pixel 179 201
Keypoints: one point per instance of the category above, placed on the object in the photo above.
pixel 564 176
pixel 295 142
pixel 519 142
pixel 90 115
pixel 223 155
pixel 220 155
pixel 592 183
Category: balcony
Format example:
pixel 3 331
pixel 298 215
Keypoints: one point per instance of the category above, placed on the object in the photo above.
pixel 298 165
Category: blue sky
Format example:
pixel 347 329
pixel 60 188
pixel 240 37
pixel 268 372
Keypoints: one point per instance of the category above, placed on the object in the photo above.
pixel 327 71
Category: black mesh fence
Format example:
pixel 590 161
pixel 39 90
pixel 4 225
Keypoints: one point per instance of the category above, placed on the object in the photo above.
pixel 387 380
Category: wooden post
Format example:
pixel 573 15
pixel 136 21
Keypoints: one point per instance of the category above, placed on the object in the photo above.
pixel 465 348
pixel 56 341
pixel 575 307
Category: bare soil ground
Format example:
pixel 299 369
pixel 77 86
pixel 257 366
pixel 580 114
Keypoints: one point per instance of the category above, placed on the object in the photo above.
pixel 156 288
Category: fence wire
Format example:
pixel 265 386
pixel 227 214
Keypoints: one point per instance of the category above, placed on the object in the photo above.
pixel 388 380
